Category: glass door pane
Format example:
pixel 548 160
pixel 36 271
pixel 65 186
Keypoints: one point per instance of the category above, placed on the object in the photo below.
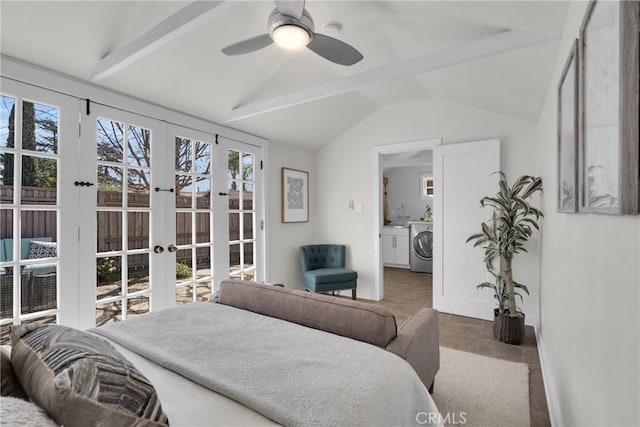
pixel 241 184
pixel 124 155
pixel 194 215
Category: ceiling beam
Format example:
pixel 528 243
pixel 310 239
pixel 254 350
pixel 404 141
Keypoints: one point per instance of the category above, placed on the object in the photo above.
pixel 503 42
pixel 183 21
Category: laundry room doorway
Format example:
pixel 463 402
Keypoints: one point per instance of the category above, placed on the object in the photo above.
pixel 403 227
pixel 462 174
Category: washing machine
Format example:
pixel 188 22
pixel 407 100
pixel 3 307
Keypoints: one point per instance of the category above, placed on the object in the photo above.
pixel 421 247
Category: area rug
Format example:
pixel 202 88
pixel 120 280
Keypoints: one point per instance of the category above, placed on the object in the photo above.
pixel 473 390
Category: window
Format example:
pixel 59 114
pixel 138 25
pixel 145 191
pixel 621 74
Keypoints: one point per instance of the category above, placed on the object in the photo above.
pixel 426 186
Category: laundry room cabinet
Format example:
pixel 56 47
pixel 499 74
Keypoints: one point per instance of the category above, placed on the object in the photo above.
pixel 395 247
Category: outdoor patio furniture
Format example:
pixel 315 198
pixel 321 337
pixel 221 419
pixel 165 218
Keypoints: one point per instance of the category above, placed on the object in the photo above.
pixel 38 293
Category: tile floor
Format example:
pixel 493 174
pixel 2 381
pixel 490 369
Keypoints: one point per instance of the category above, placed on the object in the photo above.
pixel 406 293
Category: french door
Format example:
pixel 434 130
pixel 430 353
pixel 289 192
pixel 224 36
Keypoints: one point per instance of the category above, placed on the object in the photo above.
pixel 164 224
pixel 38 154
pixel 122 156
pixel 218 200
pixel 243 181
pixel 129 215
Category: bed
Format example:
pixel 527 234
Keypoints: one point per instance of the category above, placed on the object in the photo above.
pixel 239 362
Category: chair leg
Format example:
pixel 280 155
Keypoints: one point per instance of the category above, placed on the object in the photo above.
pixel 431 387
pixel 353 294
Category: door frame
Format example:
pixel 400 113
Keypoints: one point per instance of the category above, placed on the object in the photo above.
pixel 378 189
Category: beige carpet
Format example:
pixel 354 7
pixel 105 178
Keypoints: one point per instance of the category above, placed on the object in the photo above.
pixel 474 390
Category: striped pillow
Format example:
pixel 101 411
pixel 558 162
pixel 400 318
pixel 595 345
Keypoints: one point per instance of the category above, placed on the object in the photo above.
pixel 81 380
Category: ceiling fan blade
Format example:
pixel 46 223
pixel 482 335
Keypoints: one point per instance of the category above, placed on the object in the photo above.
pixel 248 45
pixel 334 50
pixel 293 8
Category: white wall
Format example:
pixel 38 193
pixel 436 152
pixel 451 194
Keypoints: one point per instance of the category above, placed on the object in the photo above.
pixel 284 240
pixel 403 189
pixel 344 171
pixel 589 327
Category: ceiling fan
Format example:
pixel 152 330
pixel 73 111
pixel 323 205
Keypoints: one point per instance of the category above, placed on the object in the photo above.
pixel 291 27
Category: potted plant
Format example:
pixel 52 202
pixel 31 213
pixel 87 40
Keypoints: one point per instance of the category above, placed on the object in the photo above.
pixel 502 237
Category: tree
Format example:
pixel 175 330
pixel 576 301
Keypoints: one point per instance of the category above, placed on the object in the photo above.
pixel 233 165
pixel 39 134
pixel 184 149
pixel 111 148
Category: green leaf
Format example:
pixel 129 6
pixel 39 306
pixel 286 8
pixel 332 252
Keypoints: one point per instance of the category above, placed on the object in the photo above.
pixel 486 285
pixel 474 237
pixel 535 186
pixel 521 286
pixel 496 202
pixel 523 204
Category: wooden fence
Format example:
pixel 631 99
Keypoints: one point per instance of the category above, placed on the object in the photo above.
pixel 109 229
pixel 33 223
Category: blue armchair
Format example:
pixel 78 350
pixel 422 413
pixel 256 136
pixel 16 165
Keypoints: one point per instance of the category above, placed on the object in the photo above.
pixel 323 269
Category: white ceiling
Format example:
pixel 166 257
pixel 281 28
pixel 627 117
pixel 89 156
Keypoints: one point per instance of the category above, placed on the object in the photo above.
pixel 191 75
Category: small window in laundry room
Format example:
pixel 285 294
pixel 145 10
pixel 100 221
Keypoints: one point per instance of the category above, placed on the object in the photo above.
pixel 426 186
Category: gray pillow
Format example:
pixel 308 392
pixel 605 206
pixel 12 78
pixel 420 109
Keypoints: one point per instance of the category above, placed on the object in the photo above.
pixel 81 380
pixel 10 386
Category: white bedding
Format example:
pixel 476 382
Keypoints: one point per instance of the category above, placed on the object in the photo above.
pixel 289 373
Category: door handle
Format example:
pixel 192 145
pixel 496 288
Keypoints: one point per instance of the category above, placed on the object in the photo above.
pixel 172 248
pixel 158 249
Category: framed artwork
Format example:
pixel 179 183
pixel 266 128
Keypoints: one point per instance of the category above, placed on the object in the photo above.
pixel 568 134
pixel 295 195
pixel 609 148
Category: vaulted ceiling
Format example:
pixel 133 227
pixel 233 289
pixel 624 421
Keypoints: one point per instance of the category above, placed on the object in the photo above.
pixel 412 50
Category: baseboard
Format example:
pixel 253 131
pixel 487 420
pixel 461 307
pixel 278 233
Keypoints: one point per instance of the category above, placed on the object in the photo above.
pixel 530 320
pixel 549 386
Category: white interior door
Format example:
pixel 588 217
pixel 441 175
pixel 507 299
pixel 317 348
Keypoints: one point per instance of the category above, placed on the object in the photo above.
pixel 463 174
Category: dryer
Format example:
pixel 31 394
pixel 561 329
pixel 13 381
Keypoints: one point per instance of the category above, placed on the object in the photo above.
pixel 421 247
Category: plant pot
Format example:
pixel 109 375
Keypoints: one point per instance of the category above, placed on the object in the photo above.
pixel 508 329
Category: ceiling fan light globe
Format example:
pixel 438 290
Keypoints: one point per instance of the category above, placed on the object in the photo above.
pixel 291 37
